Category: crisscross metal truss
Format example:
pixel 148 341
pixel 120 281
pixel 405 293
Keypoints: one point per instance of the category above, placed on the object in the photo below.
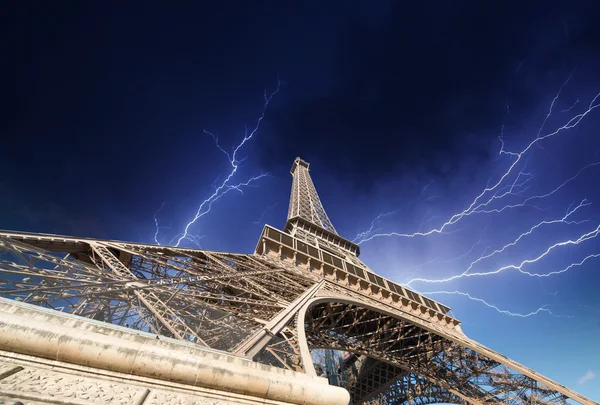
pixel 212 299
pixel 422 366
pixel 271 309
pixel 304 200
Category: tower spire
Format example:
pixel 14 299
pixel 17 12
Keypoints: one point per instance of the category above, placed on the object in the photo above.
pixel 307 219
pixel 304 200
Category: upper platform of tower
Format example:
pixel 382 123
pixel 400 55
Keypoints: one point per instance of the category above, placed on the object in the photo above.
pixel 307 219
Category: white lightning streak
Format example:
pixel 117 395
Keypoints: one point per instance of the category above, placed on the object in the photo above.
pixel 501 311
pixel 371 229
pixel 195 239
pixel 536 197
pixel 233 160
pixel 519 267
pixel 500 193
pixel 569 267
pixel 552 105
pixel 563 220
pixel 476 204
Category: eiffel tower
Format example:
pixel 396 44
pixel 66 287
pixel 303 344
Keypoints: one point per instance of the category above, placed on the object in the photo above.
pixel 304 291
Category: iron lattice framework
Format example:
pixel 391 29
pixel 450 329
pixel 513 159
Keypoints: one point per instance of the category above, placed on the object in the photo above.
pixel 304 200
pixel 303 289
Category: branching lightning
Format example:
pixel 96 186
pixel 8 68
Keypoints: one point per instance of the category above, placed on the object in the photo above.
pixel 510 189
pixel 372 228
pixel 224 187
pixel 195 239
pixel 365 234
pixel 491 192
pixel 528 200
pixel 563 220
pixel 519 267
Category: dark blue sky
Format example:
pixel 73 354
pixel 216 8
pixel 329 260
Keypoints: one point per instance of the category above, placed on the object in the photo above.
pixel 396 107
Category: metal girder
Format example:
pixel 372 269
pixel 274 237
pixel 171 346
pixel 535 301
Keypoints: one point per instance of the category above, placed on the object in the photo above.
pixel 257 342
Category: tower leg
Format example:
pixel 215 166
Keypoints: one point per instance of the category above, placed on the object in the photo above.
pixel 257 342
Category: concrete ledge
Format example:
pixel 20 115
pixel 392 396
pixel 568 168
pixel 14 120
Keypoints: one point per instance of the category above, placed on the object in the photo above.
pixel 29 330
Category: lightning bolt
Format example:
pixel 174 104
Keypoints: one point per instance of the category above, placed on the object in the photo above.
pixel 536 197
pixel 483 199
pixel 195 239
pixel 494 307
pixel 508 188
pixel 552 105
pixel 372 229
pixel 225 186
pixel 519 267
pixel 563 220
pixel 362 235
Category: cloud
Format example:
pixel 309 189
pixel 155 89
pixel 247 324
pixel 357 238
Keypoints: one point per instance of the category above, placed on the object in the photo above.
pixel 590 375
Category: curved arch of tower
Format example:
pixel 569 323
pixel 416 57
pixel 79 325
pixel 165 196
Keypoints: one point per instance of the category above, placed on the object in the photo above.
pixel 172 324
